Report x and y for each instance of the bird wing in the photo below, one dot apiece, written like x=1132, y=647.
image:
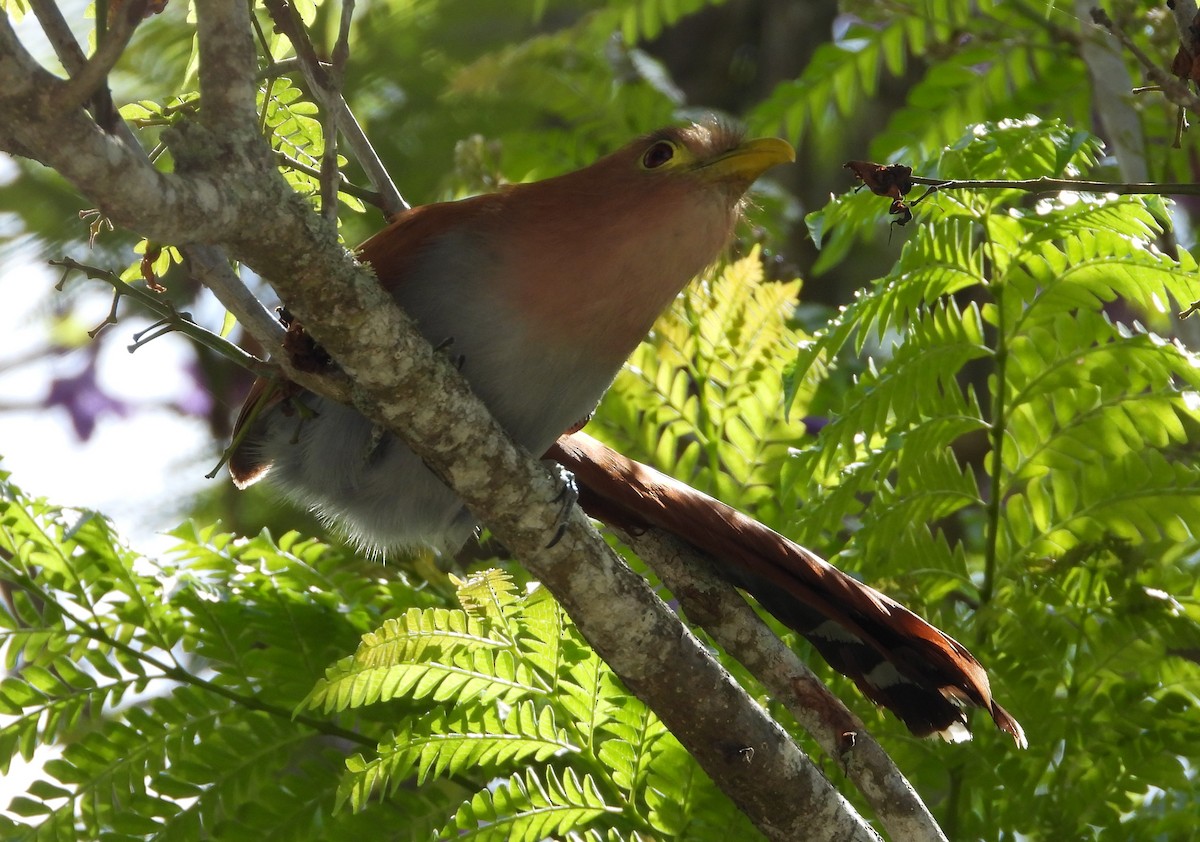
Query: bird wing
x=246, y=464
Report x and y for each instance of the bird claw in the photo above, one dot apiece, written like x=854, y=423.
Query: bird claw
x=444, y=347
x=567, y=497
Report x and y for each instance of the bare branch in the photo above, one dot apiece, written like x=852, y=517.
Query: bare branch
x=336, y=73
x=61, y=38
x=288, y=21
x=73, y=60
x=1173, y=89
x=1054, y=185
x=210, y=266
x=344, y=186
x=88, y=80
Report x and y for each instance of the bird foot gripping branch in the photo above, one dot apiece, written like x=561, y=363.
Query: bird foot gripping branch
x=547, y=288
x=567, y=497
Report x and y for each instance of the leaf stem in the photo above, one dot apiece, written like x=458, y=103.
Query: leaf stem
x=344, y=186
x=177, y=321
x=177, y=673
x=999, y=426
x=1049, y=185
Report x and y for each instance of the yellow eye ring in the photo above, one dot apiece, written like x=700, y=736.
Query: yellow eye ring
x=659, y=153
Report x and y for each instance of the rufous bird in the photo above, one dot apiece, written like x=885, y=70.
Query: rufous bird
x=542, y=291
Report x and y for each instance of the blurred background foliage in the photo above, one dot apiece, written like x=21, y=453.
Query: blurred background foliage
x=998, y=428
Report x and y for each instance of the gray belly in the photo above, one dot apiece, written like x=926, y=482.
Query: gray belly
x=377, y=491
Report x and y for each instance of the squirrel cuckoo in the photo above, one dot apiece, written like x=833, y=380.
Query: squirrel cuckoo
x=543, y=290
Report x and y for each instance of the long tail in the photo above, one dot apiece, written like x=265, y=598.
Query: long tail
x=897, y=659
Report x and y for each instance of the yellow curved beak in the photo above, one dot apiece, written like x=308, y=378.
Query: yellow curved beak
x=749, y=160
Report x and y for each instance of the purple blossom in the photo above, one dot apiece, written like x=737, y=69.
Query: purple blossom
x=813, y=424
x=197, y=401
x=83, y=399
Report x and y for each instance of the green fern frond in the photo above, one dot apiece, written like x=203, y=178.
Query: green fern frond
x=1070, y=214
x=644, y=20
x=931, y=267
x=546, y=637
x=971, y=86
x=842, y=75
x=589, y=694
x=468, y=741
x=1019, y=148
x=46, y=705
x=295, y=129
x=130, y=775
x=908, y=388
x=409, y=638
x=700, y=398
x=1080, y=390
x=530, y=807
x=636, y=733
x=1094, y=426
x=488, y=594
x=1086, y=272
x=469, y=674
x=1143, y=497
x=930, y=489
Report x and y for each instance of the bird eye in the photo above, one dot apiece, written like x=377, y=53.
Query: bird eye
x=657, y=155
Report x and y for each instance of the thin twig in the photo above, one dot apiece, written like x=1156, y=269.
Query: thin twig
x=1051, y=185
x=1174, y=89
x=344, y=186
x=93, y=76
x=73, y=60
x=341, y=47
x=287, y=19
x=210, y=266
x=158, y=305
x=330, y=174
x=281, y=68
x=59, y=34
x=71, y=56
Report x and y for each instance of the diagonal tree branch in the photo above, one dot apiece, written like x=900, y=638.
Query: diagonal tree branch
x=227, y=191
x=73, y=59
